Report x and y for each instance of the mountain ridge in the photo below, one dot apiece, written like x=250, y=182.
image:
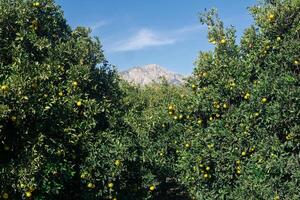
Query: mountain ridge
x=151, y=73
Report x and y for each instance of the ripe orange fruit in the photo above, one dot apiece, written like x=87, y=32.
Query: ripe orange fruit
x=247, y=96
x=78, y=103
x=117, y=162
x=152, y=188
x=13, y=118
x=91, y=185
x=82, y=176
x=264, y=100
x=5, y=196
x=75, y=83
x=28, y=194
x=289, y=136
x=276, y=197
x=232, y=83
x=4, y=88
x=271, y=17
x=110, y=185
x=36, y=4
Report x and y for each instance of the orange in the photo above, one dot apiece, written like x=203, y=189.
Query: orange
x=152, y=187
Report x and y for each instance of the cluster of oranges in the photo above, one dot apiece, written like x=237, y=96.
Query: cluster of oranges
x=231, y=84
x=91, y=185
x=34, y=24
x=205, y=170
x=218, y=105
x=171, y=109
x=243, y=155
x=75, y=85
x=271, y=17
x=27, y=194
x=36, y=4
x=238, y=167
x=221, y=41
x=289, y=136
x=247, y=96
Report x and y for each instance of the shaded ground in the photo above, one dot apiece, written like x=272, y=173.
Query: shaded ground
x=171, y=190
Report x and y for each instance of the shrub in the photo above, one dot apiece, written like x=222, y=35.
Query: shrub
x=235, y=134
x=60, y=106
x=246, y=97
x=155, y=138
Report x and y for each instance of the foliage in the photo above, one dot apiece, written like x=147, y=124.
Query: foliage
x=70, y=129
x=60, y=106
x=156, y=140
x=235, y=135
x=247, y=99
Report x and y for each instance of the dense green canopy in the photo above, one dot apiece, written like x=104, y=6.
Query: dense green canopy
x=71, y=129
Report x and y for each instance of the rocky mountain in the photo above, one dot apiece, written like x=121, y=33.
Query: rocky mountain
x=147, y=74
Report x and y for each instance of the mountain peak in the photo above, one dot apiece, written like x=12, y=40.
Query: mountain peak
x=151, y=73
x=152, y=67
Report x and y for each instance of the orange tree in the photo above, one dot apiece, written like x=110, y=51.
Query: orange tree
x=60, y=108
x=234, y=132
x=242, y=135
x=155, y=139
x=68, y=131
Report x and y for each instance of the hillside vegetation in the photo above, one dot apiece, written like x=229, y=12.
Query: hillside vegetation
x=70, y=128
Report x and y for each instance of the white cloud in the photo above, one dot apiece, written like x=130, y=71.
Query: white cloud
x=142, y=39
x=98, y=25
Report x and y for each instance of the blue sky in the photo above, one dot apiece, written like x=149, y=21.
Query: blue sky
x=164, y=32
